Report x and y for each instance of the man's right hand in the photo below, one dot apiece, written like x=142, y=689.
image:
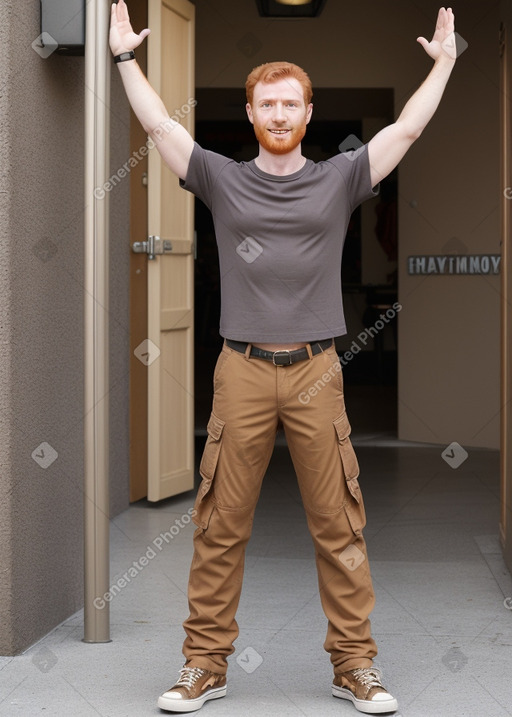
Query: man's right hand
x=122, y=37
x=173, y=142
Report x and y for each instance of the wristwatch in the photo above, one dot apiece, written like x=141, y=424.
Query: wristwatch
x=124, y=56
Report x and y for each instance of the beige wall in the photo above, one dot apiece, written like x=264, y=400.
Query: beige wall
x=448, y=184
x=41, y=329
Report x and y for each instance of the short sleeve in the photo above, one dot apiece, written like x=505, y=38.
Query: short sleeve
x=355, y=169
x=203, y=171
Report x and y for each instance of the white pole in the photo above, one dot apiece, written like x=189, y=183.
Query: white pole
x=96, y=430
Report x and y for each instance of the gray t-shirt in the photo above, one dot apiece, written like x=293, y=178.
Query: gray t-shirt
x=280, y=242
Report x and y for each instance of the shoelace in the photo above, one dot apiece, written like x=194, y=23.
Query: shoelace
x=368, y=676
x=189, y=676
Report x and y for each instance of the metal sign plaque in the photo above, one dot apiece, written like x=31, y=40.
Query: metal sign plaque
x=466, y=264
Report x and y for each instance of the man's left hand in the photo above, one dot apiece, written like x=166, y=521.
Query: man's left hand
x=443, y=42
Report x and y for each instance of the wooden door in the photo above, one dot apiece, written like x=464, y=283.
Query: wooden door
x=167, y=352
x=138, y=286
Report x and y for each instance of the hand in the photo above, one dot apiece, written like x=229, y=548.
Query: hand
x=122, y=37
x=443, y=41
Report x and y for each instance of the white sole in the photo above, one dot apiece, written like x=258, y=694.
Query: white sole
x=371, y=708
x=171, y=705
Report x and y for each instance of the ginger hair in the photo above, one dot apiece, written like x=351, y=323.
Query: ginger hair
x=275, y=71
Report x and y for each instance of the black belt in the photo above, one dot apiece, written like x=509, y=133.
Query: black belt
x=282, y=357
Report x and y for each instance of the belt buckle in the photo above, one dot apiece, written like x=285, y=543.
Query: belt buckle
x=282, y=351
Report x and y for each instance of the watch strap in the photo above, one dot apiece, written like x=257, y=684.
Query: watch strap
x=124, y=56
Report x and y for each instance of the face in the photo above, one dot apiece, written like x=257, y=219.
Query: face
x=279, y=115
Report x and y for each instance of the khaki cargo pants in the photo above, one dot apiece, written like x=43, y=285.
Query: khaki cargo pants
x=250, y=397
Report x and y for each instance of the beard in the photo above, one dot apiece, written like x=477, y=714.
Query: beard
x=279, y=144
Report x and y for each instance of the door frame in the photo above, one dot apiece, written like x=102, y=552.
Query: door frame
x=506, y=280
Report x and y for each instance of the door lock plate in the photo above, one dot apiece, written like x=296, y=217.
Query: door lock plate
x=153, y=246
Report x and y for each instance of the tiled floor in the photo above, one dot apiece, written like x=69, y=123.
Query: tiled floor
x=443, y=630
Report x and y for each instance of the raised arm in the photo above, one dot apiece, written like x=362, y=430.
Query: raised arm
x=172, y=140
x=389, y=145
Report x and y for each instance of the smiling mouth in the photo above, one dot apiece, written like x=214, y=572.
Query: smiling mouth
x=279, y=131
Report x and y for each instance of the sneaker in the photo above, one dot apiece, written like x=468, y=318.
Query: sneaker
x=191, y=691
x=364, y=687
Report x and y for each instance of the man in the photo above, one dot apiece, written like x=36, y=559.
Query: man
x=280, y=223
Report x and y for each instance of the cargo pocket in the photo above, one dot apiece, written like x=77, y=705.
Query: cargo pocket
x=203, y=506
x=354, y=506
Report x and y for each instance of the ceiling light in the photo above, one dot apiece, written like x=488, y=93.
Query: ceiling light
x=290, y=8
